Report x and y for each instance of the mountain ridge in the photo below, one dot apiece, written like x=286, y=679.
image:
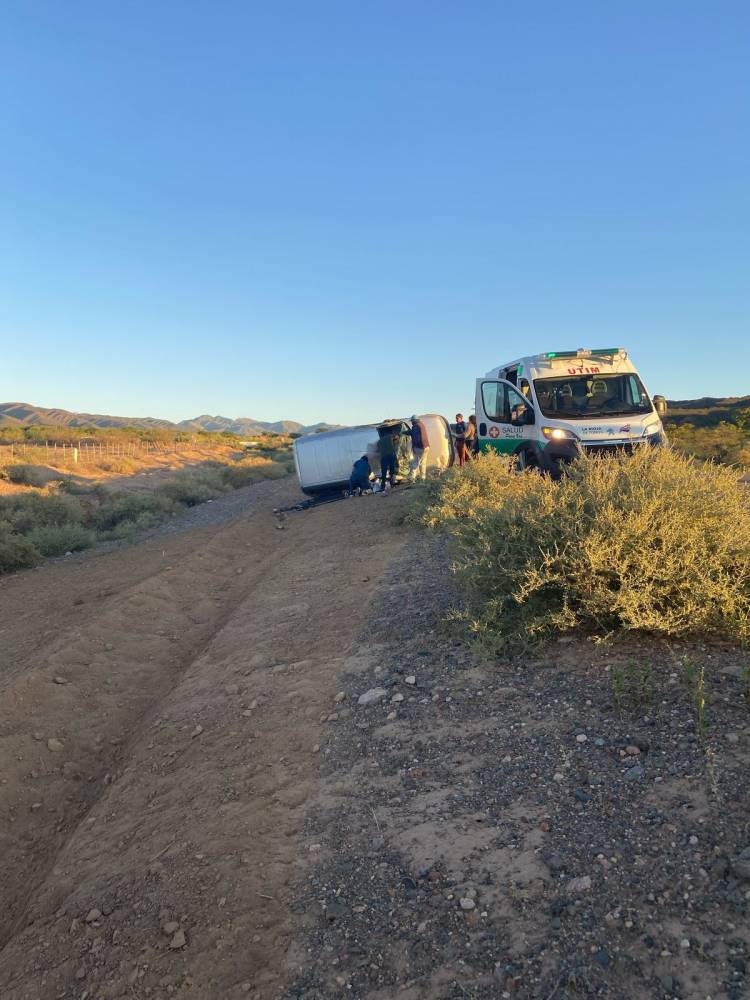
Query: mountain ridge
x=707, y=411
x=28, y=415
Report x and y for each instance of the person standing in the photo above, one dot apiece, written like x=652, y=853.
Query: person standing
x=461, y=439
x=387, y=448
x=420, y=446
x=472, y=438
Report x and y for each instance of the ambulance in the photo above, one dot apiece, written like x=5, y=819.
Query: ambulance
x=550, y=408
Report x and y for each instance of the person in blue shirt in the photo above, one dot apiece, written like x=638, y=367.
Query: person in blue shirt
x=360, y=477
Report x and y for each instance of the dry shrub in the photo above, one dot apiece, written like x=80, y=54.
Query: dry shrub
x=656, y=542
x=117, y=465
x=32, y=475
x=252, y=471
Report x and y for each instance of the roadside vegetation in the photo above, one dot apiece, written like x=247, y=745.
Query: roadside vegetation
x=719, y=435
x=727, y=443
x=39, y=433
x=66, y=515
x=658, y=543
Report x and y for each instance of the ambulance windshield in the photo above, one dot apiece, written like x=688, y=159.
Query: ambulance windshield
x=581, y=397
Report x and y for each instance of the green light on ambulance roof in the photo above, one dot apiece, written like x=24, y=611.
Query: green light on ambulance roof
x=582, y=353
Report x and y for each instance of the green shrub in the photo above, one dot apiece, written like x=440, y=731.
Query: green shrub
x=129, y=530
x=192, y=487
x=26, y=511
x=132, y=508
x=57, y=539
x=655, y=542
x=16, y=552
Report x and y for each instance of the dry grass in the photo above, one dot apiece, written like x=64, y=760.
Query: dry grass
x=38, y=467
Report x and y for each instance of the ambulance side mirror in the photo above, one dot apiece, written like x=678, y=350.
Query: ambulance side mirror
x=660, y=405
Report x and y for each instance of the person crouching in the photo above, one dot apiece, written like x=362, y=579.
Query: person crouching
x=359, y=481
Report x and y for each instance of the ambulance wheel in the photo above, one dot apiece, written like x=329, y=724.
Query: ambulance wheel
x=526, y=460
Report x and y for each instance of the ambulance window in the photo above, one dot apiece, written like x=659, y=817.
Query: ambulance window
x=634, y=393
x=493, y=400
x=498, y=400
x=511, y=375
x=515, y=402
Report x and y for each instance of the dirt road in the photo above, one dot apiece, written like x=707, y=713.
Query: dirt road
x=195, y=805
x=160, y=708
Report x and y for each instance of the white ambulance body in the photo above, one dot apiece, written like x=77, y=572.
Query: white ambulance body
x=547, y=409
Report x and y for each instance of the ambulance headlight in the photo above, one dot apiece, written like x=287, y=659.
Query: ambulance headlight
x=558, y=434
x=653, y=434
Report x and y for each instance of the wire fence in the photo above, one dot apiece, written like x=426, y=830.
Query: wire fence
x=55, y=452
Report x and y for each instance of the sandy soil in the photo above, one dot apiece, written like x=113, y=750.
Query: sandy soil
x=159, y=714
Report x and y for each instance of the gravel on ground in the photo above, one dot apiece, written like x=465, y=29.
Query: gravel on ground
x=556, y=824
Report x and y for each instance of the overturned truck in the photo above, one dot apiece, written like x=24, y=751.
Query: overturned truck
x=324, y=461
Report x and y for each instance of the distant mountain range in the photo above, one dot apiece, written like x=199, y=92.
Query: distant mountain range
x=704, y=412
x=26, y=415
x=707, y=411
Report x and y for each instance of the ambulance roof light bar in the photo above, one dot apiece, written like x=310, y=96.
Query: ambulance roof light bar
x=586, y=352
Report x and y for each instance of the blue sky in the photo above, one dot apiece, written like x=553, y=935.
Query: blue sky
x=342, y=211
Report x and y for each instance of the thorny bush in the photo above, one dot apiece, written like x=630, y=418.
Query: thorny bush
x=654, y=542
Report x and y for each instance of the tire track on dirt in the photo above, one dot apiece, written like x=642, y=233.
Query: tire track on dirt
x=41, y=606
x=115, y=665
x=195, y=816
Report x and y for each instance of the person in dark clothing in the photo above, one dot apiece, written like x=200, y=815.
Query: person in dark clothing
x=388, y=449
x=461, y=438
x=360, y=477
x=420, y=446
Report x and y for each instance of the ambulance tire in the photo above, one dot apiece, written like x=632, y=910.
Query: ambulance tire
x=526, y=459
